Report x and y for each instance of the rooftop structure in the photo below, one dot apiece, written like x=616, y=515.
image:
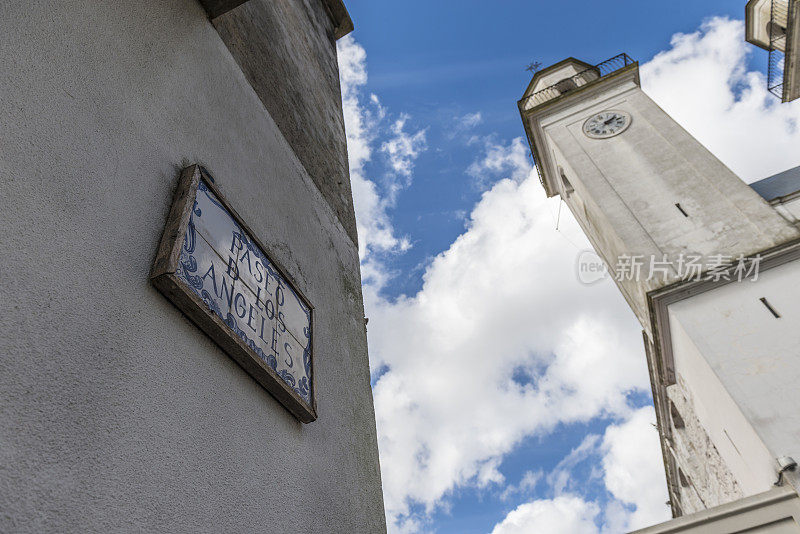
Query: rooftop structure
x=774, y=25
x=782, y=191
x=721, y=348
x=785, y=184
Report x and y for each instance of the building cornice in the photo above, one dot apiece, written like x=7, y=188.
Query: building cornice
x=337, y=12
x=791, y=67
x=750, y=30
x=342, y=23
x=762, y=509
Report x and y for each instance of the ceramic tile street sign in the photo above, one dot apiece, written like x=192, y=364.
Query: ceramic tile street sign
x=211, y=266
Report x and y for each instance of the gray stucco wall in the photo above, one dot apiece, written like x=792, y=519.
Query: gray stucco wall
x=294, y=72
x=116, y=412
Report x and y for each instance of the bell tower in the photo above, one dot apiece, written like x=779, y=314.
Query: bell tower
x=656, y=204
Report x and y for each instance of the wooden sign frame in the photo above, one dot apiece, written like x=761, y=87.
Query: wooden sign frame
x=165, y=276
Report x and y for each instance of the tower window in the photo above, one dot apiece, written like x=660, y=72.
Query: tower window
x=775, y=30
x=677, y=420
x=683, y=478
x=770, y=308
x=568, y=189
x=565, y=86
x=683, y=211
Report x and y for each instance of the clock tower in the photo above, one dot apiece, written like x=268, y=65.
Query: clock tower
x=677, y=230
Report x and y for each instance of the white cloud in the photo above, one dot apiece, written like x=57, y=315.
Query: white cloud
x=630, y=451
x=627, y=454
x=470, y=120
x=403, y=148
x=528, y=483
x=566, y=514
x=353, y=75
x=512, y=160
x=703, y=83
x=561, y=478
x=362, y=120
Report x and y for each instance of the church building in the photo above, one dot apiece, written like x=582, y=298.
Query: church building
x=710, y=266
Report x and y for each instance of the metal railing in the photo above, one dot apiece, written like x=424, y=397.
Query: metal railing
x=778, y=20
x=578, y=80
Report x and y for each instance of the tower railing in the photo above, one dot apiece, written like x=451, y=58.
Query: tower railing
x=778, y=22
x=600, y=70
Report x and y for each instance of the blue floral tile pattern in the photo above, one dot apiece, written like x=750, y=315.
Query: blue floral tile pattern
x=232, y=275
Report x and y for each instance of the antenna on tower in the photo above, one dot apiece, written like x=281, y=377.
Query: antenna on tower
x=533, y=66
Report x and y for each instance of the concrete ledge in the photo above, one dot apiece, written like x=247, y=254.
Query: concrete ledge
x=755, y=31
x=342, y=23
x=287, y=52
x=773, y=512
x=215, y=8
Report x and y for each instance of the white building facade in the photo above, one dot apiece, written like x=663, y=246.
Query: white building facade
x=708, y=264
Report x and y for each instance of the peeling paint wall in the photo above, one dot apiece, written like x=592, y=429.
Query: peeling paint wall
x=705, y=479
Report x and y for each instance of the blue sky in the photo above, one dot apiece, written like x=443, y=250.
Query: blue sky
x=509, y=397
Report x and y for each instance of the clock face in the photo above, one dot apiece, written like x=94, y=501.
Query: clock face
x=606, y=124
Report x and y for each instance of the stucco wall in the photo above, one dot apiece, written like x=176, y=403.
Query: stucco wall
x=118, y=413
